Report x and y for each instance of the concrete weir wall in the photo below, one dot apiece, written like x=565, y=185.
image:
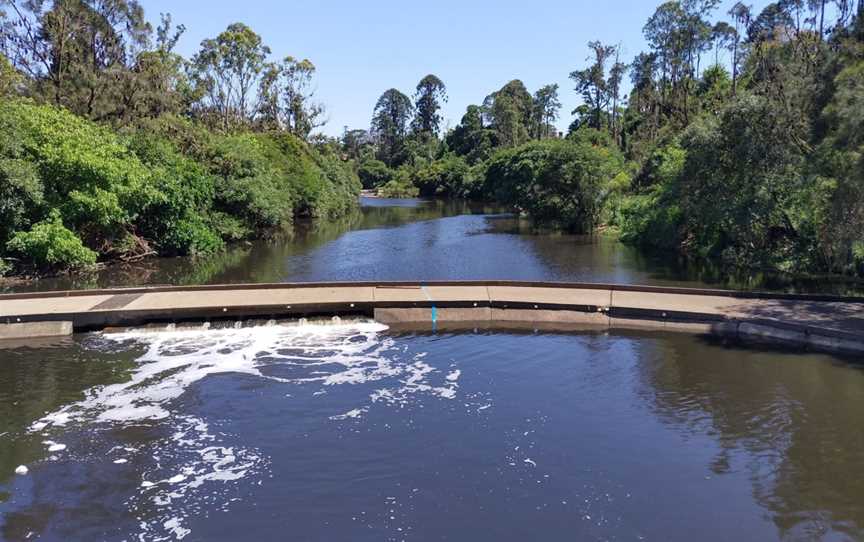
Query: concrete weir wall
x=826, y=323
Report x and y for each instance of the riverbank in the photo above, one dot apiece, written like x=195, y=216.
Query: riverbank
x=83, y=193
x=414, y=239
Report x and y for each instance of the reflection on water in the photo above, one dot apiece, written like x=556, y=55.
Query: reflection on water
x=793, y=425
x=432, y=240
x=353, y=432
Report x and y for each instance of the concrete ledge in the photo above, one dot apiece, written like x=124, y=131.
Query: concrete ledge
x=541, y=316
x=28, y=330
x=813, y=322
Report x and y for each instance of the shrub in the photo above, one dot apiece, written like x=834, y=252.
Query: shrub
x=400, y=186
x=374, y=173
x=557, y=182
x=50, y=246
x=450, y=176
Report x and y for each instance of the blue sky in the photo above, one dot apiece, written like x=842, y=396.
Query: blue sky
x=362, y=48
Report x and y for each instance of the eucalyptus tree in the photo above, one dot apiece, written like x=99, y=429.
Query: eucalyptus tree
x=591, y=83
x=390, y=120
x=723, y=37
x=286, y=97
x=428, y=97
x=741, y=15
x=546, y=108
x=227, y=70
x=510, y=111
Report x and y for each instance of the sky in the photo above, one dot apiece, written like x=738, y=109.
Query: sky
x=363, y=47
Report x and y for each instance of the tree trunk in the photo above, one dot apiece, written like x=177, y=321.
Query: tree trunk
x=735, y=68
x=821, y=19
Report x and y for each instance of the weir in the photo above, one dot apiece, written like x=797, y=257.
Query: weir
x=824, y=323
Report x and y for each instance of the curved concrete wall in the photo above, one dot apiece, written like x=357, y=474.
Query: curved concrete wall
x=820, y=322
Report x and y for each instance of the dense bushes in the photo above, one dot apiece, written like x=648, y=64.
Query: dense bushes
x=166, y=186
x=400, y=185
x=50, y=245
x=558, y=182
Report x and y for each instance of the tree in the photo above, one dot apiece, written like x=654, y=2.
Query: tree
x=10, y=79
x=591, y=82
x=430, y=92
x=75, y=50
x=156, y=83
x=355, y=143
x=616, y=76
x=546, y=107
x=740, y=13
x=286, y=98
x=471, y=138
x=510, y=110
x=723, y=36
x=390, y=125
x=227, y=69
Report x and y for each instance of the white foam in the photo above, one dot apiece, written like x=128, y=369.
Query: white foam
x=54, y=446
x=173, y=525
x=353, y=413
x=22, y=470
x=329, y=355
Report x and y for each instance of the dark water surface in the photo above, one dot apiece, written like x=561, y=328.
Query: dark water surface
x=361, y=433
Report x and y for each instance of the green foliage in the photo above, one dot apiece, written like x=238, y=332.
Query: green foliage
x=430, y=92
x=374, y=173
x=471, y=139
x=511, y=110
x=166, y=186
x=10, y=80
x=653, y=218
x=226, y=71
x=87, y=172
x=390, y=126
x=451, y=176
x=50, y=246
x=744, y=193
x=400, y=186
x=562, y=183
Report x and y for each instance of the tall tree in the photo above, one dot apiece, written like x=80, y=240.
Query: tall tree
x=156, y=83
x=591, y=82
x=471, y=138
x=390, y=125
x=510, y=111
x=546, y=107
x=73, y=50
x=616, y=76
x=428, y=96
x=723, y=37
x=740, y=14
x=286, y=98
x=227, y=69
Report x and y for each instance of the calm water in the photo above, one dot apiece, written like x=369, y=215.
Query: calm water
x=362, y=433
x=431, y=240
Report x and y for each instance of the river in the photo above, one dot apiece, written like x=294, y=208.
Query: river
x=353, y=431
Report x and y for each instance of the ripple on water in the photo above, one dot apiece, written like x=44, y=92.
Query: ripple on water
x=190, y=472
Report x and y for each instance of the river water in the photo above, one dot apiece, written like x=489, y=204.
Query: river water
x=353, y=431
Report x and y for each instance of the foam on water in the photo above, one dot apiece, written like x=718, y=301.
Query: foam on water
x=191, y=471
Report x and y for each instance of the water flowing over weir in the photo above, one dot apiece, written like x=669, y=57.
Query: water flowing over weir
x=192, y=468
